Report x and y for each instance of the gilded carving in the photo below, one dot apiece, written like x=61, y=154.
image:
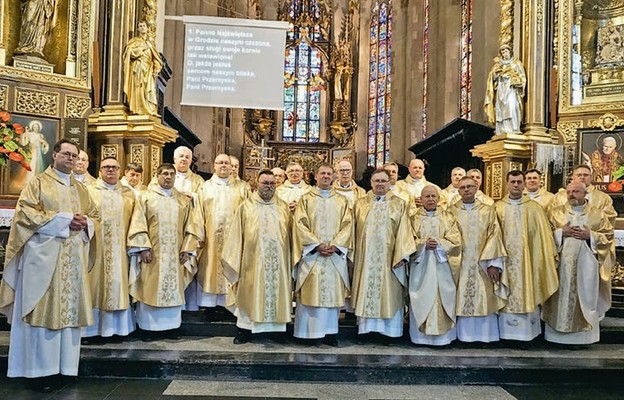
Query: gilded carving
x=308, y=159
x=555, y=43
x=507, y=17
x=607, y=122
x=617, y=275
x=75, y=106
x=30, y=101
x=4, y=97
x=150, y=11
x=155, y=160
x=568, y=130
x=109, y=150
x=497, y=180
x=515, y=166
x=539, y=13
x=136, y=153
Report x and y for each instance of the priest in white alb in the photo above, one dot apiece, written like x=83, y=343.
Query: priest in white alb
x=383, y=245
x=44, y=291
x=256, y=261
x=162, y=250
x=322, y=240
x=108, y=278
x=295, y=187
x=345, y=185
x=583, y=238
x=434, y=272
x=187, y=182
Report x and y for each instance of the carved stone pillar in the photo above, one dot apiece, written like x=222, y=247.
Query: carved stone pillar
x=534, y=57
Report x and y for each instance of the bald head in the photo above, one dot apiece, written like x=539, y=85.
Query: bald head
x=416, y=168
x=430, y=197
x=222, y=166
x=576, y=192
x=608, y=145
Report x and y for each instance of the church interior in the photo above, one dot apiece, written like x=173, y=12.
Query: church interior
x=371, y=81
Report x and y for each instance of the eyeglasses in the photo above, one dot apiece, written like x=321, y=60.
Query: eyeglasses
x=110, y=167
x=68, y=154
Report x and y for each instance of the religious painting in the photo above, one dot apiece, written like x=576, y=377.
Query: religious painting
x=75, y=129
x=343, y=154
x=40, y=136
x=602, y=151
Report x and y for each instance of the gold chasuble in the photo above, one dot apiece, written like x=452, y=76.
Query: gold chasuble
x=584, y=266
x=56, y=292
x=188, y=182
x=108, y=278
x=477, y=295
x=218, y=200
x=433, y=281
x=256, y=259
x=596, y=198
x=289, y=192
x=321, y=281
x=352, y=193
x=410, y=188
x=542, y=196
x=383, y=238
x=159, y=223
x=530, y=270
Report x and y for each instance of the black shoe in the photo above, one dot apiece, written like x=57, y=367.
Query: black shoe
x=279, y=338
x=242, y=336
x=331, y=340
x=173, y=334
x=46, y=384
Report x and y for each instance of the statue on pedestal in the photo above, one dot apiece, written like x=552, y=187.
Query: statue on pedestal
x=142, y=63
x=38, y=19
x=504, y=96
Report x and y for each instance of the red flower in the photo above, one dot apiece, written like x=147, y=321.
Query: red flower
x=25, y=165
x=6, y=138
x=16, y=157
x=5, y=116
x=3, y=150
x=19, y=129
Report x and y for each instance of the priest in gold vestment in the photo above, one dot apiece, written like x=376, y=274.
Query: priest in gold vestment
x=108, y=278
x=409, y=188
x=256, y=261
x=187, y=182
x=450, y=195
x=162, y=250
x=481, y=292
x=530, y=270
x=434, y=272
x=534, y=190
x=44, y=291
x=295, y=187
x=583, y=238
x=383, y=245
x=218, y=199
x=322, y=239
x=477, y=176
x=80, y=170
x=345, y=185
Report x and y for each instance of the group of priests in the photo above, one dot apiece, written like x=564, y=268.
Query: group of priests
x=96, y=258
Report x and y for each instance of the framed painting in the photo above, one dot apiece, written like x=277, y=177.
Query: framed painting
x=41, y=134
x=602, y=151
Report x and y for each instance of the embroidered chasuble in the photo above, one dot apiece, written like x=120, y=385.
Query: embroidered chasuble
x=530, y=270
x=434, y=273
x=289, y=192
x=542, y=196
x=257, y=260
x=477, y=295
x=87, y=179
x=484, y=198
x=217, y=202
x=383, y=238
x=580, y=301
x=449, y=196
x=108, y=278
x=188, y=182
x=352, y=193
x=321, y=281
x=159, y=223
x=54, y=268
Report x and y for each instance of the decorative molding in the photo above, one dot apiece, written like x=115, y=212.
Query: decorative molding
x=507, y=20
x=109, y=150
x=539, y=14
x=497, y=180
x=568, y=130
x=515, y=166
x=155, y=159
x=31, y=101
x=555, y=43
x=75, y=106
x=4, y=97
x=137, y=152
x=608, y=122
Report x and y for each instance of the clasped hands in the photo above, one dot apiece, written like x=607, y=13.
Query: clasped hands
x=576, y=232
x=326, y=250
x=147, y=256
x=78, y=223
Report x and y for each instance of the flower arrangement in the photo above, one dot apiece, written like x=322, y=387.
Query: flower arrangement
x=11, y=148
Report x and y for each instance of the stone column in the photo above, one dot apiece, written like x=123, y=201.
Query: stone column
x=534, y=50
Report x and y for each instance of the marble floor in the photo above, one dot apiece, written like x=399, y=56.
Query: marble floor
x=148, y=389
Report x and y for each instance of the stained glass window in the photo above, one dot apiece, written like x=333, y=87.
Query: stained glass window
x=379, y=84
x=466, y=60
x=303, y=81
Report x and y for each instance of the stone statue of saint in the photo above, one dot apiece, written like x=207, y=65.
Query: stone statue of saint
x=504, y=96
x=38, y=19
x=610, y=45
x=141, y=65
